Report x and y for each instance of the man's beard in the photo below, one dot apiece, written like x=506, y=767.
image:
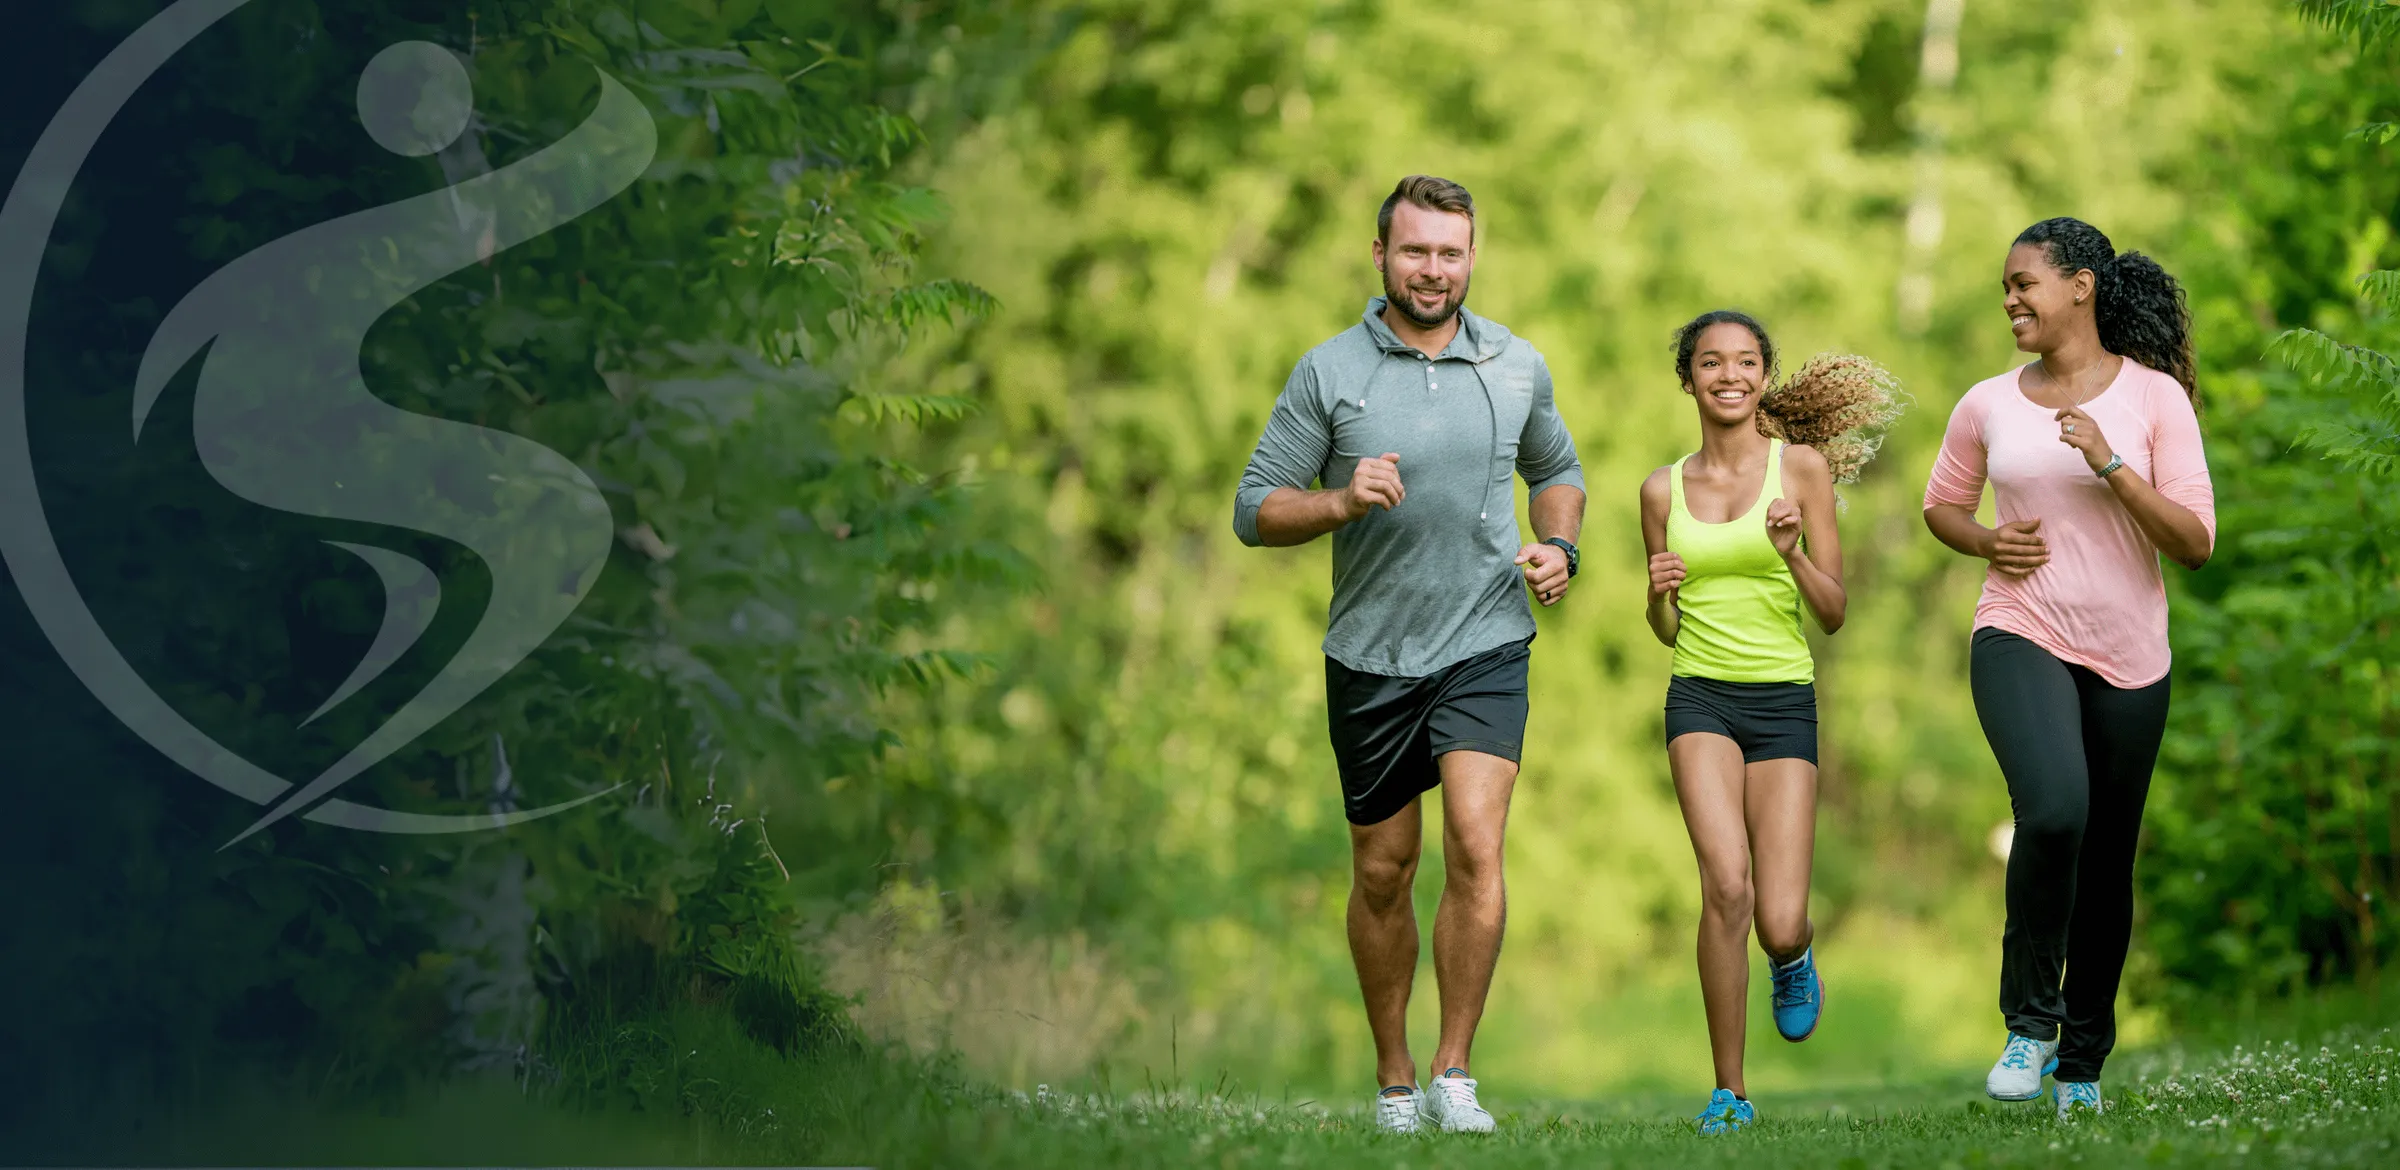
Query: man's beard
x=1398, y=298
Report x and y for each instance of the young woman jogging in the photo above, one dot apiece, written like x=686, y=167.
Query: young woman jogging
x=1741, y=535
x=2094, y=455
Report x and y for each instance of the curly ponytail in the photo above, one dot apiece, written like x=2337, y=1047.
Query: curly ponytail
x=1840, y=404
x=2138, y=306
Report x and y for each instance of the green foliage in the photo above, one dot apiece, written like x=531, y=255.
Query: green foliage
x=710, y=347
x=2272, y=852
x=831, y=511
x=693, y=1091
x=2361, y=385
x=1183, y=204
x=2376, y=133
x=2371, y=22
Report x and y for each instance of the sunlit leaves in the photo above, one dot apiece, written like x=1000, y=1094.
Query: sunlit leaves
x=2333, y=366
x=2371, y=22
x=2271, y=857
x=2382, y=289
x=934, y=302
x=912, y=408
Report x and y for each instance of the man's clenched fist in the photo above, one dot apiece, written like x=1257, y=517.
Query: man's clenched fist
x=1545, y=571
x=1376, y=483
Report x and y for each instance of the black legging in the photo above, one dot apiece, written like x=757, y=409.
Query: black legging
x=2077, y=753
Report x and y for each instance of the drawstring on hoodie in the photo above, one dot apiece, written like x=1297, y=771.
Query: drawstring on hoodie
x=1491, y=408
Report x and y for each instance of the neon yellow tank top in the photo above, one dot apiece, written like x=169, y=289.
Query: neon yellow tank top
x=1740, y=608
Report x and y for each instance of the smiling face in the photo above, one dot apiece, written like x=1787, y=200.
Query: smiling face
x=1729, y=373
x=1426, y=262
x=2045, y=306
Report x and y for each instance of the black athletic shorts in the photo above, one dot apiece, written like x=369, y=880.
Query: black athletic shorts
x=1388, y=732
x=1769, y=721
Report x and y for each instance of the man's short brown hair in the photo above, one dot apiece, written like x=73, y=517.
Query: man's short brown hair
x=1430, y=193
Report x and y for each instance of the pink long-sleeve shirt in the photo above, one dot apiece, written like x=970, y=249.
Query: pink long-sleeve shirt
x=2101, y=600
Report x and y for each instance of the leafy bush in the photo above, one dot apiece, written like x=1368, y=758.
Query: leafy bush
x=708, y=347
x=2272, y=841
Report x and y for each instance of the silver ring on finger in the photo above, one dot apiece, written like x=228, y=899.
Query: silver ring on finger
x=2070, y=428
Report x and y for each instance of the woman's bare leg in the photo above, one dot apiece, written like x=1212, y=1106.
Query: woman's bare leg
x=1709, y=784
x=1780, y=802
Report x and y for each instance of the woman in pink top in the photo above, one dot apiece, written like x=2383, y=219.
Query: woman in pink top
x=2094, y=455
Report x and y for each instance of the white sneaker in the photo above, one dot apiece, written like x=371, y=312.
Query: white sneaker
x=1450, y=1103
x=1400, y=1112
x=2022, y=1065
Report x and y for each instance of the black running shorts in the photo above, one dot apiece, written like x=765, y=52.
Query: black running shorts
x=1389, y=732
x=1769, y=721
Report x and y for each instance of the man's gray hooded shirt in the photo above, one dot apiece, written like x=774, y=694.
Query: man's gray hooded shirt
x=1433, y=581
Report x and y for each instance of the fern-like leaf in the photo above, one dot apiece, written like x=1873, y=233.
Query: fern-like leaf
x=935, y=300
x=914, y=409
x=2369, y=22
x=2331, y=365
x=2371, y=449
x=2382, y=289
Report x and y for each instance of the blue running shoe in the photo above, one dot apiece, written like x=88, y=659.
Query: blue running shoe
x=2073, y=1095
x=1799, y=996
x=1725, y=1113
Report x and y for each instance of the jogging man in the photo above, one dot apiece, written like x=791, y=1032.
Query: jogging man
x=1412, y=421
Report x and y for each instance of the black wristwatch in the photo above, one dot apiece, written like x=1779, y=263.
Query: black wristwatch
x=1574, y=558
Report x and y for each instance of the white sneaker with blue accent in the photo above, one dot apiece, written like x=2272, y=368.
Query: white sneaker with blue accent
x=1450, y=1104
x=2074, y=1095
x=2022, y=1065
x=1400, y=1112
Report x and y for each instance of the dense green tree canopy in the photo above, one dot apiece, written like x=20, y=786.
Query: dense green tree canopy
x=917, y=372
x=1183, y=205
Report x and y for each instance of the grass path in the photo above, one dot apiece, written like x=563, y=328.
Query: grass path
x=2330, y=1104
x=2329, y=1100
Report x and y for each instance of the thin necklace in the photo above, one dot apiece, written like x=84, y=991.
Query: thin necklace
x=2072, y=401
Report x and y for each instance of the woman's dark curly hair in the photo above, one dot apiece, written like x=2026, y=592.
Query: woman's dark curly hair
x=1840, y=404
x=2139, y=307
x=1688, y=337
